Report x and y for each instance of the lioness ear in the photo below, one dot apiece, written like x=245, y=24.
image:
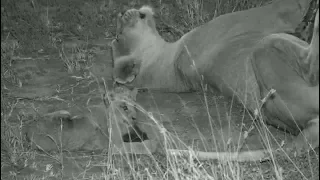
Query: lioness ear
x=149, y=13
x=147, y=10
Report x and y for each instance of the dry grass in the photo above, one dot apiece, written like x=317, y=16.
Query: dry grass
x=16, y=152
x=77, y=57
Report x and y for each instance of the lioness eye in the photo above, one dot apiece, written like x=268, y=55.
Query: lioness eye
x=142, y=15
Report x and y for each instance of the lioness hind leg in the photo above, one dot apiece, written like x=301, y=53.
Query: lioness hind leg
x=308, y=138
x=312, y=60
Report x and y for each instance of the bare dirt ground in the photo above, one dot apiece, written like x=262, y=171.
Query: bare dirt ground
x=52, y=53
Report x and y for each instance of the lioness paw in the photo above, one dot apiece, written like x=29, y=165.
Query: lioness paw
x=125, y=69
x=307, y=140
x=130, y=16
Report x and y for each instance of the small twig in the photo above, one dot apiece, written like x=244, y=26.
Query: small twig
x=105, y=93
x=257, y=155
x=28, y=58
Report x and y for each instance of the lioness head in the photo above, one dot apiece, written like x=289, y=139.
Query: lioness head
x=136, y=33
x=134, y=26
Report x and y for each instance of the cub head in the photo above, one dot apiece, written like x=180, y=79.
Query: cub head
x=121, y=105
x=123, y=114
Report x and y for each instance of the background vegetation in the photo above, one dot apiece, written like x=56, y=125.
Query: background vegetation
x=30, y=28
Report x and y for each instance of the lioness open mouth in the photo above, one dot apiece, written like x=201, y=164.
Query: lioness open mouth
x=135, y=135
x=129, y=80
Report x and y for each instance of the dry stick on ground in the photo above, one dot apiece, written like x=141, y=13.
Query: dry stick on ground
x=256, y=155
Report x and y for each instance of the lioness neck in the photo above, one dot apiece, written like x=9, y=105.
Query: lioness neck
x=158, y=70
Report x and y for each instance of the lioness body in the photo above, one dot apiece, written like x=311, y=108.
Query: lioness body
x=222, y=54
x=212, y=42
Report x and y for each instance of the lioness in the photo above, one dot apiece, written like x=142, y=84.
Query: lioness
x=242, y=53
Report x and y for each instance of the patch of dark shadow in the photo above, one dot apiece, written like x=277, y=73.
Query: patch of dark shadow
x=135, y=135
x=272, y=96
